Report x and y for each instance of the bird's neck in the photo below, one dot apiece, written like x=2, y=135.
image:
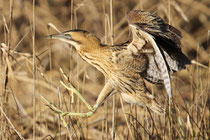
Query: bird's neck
x=94, y=50
x=96, y=56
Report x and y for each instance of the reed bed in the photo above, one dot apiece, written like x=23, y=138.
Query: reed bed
x=29, y=69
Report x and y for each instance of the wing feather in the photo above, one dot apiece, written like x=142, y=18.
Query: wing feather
x=166, y=36
x=143, y=30
x=147, y=28
x=138, y=36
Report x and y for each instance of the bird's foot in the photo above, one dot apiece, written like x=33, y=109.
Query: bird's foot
x=70, y=87
x=62, y=114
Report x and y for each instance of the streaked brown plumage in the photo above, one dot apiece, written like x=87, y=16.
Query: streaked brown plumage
x=153, y=52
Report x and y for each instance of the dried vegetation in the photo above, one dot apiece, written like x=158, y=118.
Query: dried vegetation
x=26, y=117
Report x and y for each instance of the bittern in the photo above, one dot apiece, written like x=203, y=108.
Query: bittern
x=153, y=52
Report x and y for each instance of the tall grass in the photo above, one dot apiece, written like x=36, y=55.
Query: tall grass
x=29, y=67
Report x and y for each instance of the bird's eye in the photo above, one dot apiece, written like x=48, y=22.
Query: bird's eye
x=68, y=36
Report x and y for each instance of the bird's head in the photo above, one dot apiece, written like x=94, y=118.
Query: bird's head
x=80, y=39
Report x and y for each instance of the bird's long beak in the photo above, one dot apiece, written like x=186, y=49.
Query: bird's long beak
x=58, y=36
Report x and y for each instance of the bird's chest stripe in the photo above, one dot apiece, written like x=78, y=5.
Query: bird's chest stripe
x=99, y=67
x=86, y=58
x=93, y=63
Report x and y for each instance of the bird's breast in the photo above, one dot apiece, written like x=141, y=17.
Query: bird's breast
x=128, y=70
x=99, y=61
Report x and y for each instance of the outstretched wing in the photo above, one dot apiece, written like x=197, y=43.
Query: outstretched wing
x=165, y=41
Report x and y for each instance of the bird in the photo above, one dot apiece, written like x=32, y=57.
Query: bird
x=152, y=53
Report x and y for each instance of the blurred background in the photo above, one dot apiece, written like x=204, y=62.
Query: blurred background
x=19, y=117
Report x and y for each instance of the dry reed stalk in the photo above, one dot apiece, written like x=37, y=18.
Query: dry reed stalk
x=191, y=87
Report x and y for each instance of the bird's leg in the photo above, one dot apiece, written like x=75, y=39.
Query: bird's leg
x=106, y=91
